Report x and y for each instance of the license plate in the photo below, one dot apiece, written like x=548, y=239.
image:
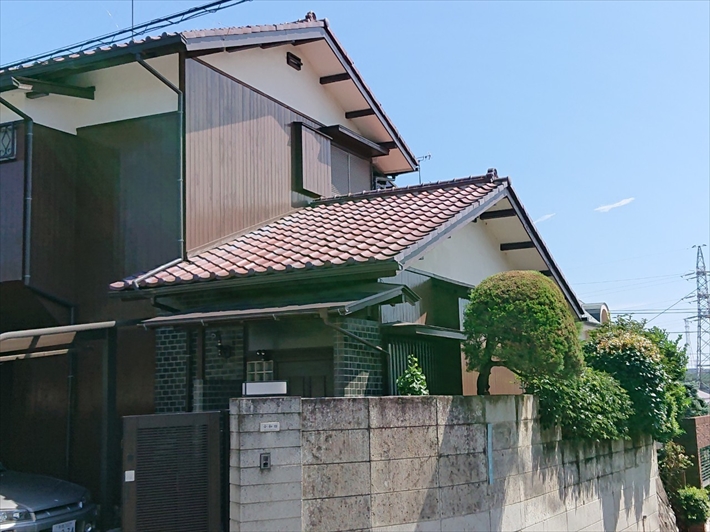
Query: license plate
x=69, y=526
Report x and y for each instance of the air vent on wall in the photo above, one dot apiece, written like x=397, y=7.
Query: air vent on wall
x=293, y=61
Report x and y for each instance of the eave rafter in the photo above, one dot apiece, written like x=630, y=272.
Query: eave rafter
x=36, y=88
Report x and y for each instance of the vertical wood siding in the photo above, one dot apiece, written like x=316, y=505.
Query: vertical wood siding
x=238, y=151
x=54, y=169
x=12, y=185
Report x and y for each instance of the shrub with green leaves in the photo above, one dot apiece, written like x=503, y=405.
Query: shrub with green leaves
x=693, y=505
x=636, y=362
x=413, y=380
x=672, y=464
x=592, y=405
x=520, y=320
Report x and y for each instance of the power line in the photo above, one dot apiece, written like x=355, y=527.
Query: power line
x=132, y=32
x=632, y=279
x=673, y=305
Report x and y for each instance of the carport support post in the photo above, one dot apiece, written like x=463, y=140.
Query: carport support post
x=108, y=428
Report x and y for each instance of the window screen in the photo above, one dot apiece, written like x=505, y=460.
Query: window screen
x=349, y=173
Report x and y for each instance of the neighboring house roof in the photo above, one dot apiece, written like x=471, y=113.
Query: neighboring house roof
x=302, y=32
x=393, y=226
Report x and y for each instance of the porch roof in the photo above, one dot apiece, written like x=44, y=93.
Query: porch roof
x=370, y=227
x=378, y=294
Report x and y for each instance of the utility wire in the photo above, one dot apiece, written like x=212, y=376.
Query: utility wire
x=632, y=279
x=673, y=305
x=128, y=33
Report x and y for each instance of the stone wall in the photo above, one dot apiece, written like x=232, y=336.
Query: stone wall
x=431, y=464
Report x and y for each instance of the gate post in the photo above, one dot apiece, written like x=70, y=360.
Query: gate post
x=265, y=474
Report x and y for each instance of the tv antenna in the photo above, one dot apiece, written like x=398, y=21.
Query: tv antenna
x=419, y=166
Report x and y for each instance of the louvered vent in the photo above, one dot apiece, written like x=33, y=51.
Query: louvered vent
x=172, y=482
x=177, y=478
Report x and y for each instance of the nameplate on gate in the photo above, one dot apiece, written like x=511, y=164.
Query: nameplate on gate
x=270, y=426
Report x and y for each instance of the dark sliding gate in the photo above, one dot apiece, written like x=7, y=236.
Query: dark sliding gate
x=172, y=476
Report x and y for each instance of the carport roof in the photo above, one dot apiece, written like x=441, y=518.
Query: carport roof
x=36, y=343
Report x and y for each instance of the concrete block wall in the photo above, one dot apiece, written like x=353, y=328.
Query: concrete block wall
x=433, y=463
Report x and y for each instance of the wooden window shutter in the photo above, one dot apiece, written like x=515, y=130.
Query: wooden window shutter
x=311, y=161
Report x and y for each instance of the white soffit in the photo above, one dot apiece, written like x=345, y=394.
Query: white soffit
x=510, y=229
x=325, y=61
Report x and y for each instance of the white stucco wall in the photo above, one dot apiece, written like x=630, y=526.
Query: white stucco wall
x=267, y=71
x=122, y=92
x=469, y=255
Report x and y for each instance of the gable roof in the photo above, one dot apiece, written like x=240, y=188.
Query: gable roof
x=315, y=36
x=394, y=226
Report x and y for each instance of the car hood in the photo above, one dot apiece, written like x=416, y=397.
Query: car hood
x=36, y=492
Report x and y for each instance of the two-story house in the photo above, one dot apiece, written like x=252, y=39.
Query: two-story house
x=221, y=206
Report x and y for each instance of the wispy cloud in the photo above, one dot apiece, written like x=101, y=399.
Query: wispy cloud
x=544, y=218
x=607, y=208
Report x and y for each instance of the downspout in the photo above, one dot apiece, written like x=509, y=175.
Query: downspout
x=181, y=132
x=385, y=354
x=27, y=223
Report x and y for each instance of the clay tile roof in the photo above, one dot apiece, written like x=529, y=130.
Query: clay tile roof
x=345, y=231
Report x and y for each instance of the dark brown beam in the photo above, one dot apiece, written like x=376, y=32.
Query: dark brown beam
x=546, y=273
x=391, y=145
x=37, y=86
x=325, y=80
x=510, y=246
x=503, y=213
x=359, y=113
x=268, y=45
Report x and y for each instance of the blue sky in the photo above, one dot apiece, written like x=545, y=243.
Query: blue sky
x=598, y=111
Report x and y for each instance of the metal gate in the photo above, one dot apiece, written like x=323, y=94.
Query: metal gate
x=171, y=472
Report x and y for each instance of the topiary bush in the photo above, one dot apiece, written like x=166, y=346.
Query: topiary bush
x=592, y=405
x=413, y=380
x=520, y=320
x=693, y=505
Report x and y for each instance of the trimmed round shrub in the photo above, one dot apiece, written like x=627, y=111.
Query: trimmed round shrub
x=520, y=320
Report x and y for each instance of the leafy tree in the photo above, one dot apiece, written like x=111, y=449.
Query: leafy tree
x=520, y=320
x=650, y=367
x=696, y=407
x=413, y=380
x=592, y=405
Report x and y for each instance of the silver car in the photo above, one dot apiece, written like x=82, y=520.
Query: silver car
x=36, y=503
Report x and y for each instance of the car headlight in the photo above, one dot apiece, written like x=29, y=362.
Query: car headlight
x=14, y=515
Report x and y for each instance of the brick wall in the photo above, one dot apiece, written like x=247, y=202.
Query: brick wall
x=357, y=367
x=170, y=369
x=695, y=438
x=223, y=376
x=437, y=463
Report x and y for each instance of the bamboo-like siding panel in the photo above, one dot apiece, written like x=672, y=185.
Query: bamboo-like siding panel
x=238, y=155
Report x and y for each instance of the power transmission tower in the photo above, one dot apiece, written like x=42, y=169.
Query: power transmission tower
x=692, y=360
x=703, y=318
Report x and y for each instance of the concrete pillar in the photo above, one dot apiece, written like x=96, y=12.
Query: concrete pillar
x=265, y=496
